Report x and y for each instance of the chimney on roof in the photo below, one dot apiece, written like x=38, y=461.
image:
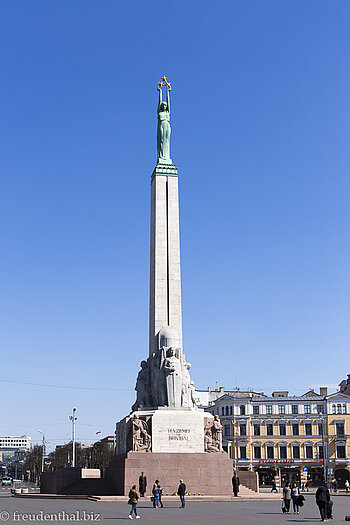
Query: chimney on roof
x=323, y=391
x=222, y=389
x=281, y=393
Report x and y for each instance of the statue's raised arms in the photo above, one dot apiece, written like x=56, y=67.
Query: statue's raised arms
x=163, y=130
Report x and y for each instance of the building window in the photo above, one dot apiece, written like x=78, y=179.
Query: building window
x=344, y=408
x=334, y=409
x=308, y=452
x=243, y=429
x=227, y=430
x=340, y=430
x=294, y=409
x=269, y=429
x=307, y=409
x=243, y=452
x=257, y=452
x=320, y=429
x=256, y=428
x=320, y=409
x=242, y=410
x=269, y=409
x=256, y=410
x=226, y=411
x=230, y=410
x=341, y=452
x=281, y=409
x=320, y=452
x=295, y=429
x=223, y=411
x=296, y=451
x=283, y=452
x=282, y=429
x=308, y=429
x=269, y=452
x=338, y=408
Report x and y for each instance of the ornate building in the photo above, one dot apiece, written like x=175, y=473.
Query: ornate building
x=287, y=438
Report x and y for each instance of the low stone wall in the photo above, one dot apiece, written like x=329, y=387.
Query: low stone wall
x=54, y=482
x=249, y=479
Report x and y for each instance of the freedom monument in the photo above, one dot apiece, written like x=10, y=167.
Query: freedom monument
x=166, y=435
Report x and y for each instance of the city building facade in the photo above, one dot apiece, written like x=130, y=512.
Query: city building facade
x=287, y=438
x=11, y=445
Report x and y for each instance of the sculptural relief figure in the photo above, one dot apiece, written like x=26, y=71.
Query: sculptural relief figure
x=173, y=377
x=213, y=436
x=186, y=400
x=141, y=439
x=192, y=395
x=208, y=440
x=217, y=433
x=142, y=387
x=163, y=130
x=164, y=379
x=158, y=385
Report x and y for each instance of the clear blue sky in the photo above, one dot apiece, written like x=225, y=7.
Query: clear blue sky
x=260, y=121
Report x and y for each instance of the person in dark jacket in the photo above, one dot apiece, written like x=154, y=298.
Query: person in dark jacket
x=235, y=484
x=322, y=498
x=142, y=484
x=274, y=486
x=181, y=492
x=133, y=500
x=287, y=497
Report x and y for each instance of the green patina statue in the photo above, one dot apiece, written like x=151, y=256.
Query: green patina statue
x=163, y=131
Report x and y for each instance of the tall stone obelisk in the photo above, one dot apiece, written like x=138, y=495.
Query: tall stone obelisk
x=166, y=434
x=165, y=274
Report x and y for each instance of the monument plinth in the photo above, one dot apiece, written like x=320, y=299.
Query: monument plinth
x=166, y=436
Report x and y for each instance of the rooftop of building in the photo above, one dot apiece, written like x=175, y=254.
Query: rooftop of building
x=283, y=399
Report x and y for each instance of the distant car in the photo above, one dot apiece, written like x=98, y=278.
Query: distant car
x=6, y=481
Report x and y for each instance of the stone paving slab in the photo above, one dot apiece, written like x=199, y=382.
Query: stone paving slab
x=246, y=497
x=267, y=512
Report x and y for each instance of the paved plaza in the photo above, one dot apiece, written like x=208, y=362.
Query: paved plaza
x=195, y=513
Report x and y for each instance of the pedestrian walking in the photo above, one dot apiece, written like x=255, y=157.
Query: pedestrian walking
x=160, y=493
x=133, y=500
x=347, y=486
x=155, y=492
x=142, y=484
x=274, y=486
x=287, y=497
x=335, y=485
x=235, y=484
x=295, y=498
x=322, y=498
x=181, y=492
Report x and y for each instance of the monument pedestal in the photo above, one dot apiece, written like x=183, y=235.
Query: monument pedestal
x=205, y=473
x=168, y=444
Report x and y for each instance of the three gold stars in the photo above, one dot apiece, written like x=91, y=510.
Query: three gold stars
x=164, y=82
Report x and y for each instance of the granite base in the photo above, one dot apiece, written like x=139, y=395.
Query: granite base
x=207, y=473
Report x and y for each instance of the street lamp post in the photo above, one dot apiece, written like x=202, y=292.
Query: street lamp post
x=43, y=455
x=324, y=451
x=73, y=420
